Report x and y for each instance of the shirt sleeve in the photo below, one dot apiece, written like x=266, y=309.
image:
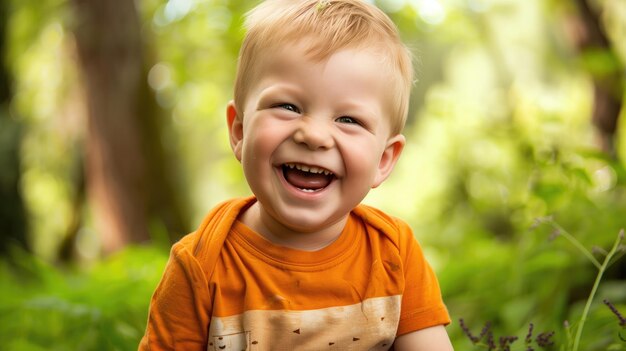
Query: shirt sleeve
x=422, y=304
x=180, y=309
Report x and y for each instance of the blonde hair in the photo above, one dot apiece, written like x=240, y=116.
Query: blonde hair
x=328, y=26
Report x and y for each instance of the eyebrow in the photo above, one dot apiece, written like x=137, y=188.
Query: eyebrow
x=277, y=88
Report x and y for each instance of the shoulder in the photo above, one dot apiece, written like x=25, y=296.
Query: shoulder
x=394, y=228
x=213, y=229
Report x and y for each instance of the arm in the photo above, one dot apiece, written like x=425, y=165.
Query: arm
x=424, y=314
x=429, y=339
x=180, y=307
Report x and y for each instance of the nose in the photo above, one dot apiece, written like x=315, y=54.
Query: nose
x=313, y=133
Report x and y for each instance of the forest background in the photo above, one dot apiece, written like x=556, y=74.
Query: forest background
x=113, y=144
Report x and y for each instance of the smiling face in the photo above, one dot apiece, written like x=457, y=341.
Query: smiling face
x=313, y=138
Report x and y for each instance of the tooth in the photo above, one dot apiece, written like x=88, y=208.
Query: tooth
x=305, y=168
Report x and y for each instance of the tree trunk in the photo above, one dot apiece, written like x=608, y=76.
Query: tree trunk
x=124, y=177
x=12, y=213
x=589, y=36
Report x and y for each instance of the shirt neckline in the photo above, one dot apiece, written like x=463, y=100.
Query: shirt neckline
x=294, y=259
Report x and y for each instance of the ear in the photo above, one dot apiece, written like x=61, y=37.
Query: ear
x=388, y=159
x=235, y=129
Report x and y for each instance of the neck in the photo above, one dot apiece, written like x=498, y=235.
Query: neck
x=272, y=230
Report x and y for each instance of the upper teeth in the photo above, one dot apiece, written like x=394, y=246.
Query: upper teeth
x=305, y=168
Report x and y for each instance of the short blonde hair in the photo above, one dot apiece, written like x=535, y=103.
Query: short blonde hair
x=329, y=26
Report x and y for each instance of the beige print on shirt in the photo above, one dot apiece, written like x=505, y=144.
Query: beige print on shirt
x=370, y=325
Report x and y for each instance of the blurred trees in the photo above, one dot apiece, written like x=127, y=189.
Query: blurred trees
x=128, y=175
x=12, y=215
x=588, y=33
x=93, y=130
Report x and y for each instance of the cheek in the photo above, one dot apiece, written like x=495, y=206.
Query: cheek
x=260, y=140
x=361, y=159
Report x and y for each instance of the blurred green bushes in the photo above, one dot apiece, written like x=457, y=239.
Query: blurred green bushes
x=101, y=306
x=523, y=273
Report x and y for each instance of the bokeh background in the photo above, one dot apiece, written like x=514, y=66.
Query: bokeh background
x=113, y=145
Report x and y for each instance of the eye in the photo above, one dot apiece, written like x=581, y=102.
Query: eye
x=288, y=107
x=347, y=120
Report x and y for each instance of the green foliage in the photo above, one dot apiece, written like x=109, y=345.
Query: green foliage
x=525, y=276
x=571, y=341
x=100, y=307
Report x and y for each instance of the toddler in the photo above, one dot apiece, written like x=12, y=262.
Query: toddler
x=320, y=100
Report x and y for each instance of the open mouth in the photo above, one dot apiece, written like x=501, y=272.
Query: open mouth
x=307, y=178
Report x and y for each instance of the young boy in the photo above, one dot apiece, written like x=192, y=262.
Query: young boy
x=320, y=100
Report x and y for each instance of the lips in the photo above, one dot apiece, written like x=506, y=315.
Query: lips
x=307, y=178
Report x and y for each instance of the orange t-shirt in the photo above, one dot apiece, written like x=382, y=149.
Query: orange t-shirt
x=227, y=288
